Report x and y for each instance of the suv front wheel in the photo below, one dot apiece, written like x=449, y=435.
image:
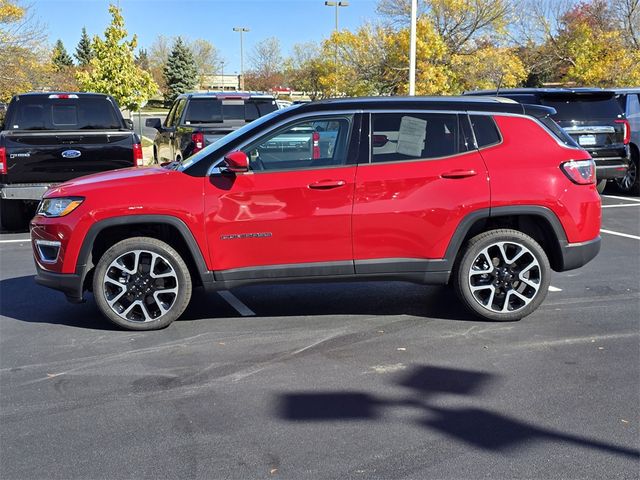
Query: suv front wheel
x=142, y=283
x=503, y=275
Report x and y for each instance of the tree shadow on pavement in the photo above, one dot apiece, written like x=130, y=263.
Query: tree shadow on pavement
x=477, y=427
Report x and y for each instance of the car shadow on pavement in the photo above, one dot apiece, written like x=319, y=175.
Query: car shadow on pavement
x=355, y=298
x=22, y=299
x=477, y=427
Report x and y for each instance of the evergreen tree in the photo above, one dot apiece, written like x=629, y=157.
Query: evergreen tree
x=84, y=52
x=60, y=58
x=142, y=59
x=180, y=71
x=113, y=70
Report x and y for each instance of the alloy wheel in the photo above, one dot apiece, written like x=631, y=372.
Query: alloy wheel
x=140, y=286
x=505, y=277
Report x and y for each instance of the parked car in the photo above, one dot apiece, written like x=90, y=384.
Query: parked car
x=629, y=99
x=196, y=120
x=487, y=195
x=591, y=116
x=49, y=138
x=283, y=103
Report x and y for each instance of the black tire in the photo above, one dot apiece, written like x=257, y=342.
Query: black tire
x=601, y=185
x=14, y=215
x=141, y=298
x=630, y=183
x=502, y=278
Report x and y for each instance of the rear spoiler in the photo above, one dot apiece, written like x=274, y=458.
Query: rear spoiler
x=538, y=111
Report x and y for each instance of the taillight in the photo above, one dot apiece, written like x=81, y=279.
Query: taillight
x=3, y=161
x=582, y=172
x=198, y=141
x=316, y=145
x=627, y=130
x=138, y=158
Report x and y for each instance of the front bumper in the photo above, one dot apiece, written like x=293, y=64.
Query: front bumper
x=575, y=255
x=24, y=191
x=68, y=283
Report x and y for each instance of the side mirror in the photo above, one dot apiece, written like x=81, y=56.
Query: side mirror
x=378, y=141
x=129, y=123
x=154, y=122
x=237, y=162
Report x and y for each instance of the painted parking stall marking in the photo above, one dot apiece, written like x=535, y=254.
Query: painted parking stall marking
x=619, y=234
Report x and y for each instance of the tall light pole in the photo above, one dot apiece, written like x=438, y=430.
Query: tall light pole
x=222, y=67
x=412, y=49
x=242, y=30
x=337, y=4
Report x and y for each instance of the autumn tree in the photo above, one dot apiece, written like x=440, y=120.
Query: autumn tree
x=266, y=66
x=206, y=57
x=180, y=71
x=308, y=70
x=113, y=70
x=24, y=60
x=84, y=52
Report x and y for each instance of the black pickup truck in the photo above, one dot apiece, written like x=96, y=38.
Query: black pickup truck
x=197, y=119
x=48, y=138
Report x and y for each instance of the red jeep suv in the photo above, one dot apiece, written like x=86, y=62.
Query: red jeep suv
x=482, y=193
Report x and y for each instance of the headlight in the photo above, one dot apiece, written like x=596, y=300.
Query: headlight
x=59, y=207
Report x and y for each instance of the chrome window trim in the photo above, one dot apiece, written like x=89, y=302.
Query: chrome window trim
x=215, y=165
x=529, y=117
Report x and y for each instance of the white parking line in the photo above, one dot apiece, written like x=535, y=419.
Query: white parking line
x=236, y=303
x=554, y=289
x=626, y=235
x=26, y=240
x=630, y=199
x=622, y=205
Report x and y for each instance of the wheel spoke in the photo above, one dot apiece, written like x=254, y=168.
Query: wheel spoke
x=487, y=258
x=117, y=297
x=154, y=258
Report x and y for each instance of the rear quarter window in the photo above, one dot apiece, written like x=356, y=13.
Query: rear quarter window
x=485, y=130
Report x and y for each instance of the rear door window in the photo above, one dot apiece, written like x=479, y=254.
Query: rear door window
x=399, y=137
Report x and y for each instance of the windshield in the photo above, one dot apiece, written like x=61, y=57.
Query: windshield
x=221, y=143
x=45, y=113
x=583, y=107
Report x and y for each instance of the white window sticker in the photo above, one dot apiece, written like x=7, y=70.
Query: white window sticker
x=411, y=137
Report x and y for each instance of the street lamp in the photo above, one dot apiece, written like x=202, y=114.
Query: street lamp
x=412, y=49
x=222, y=68
x=337, y=4
x=242, y=30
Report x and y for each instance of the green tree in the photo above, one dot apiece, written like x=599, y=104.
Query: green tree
x=113, y=70
x=142, y=59
x=180, y=71
x=60, y=59
x=84, y=52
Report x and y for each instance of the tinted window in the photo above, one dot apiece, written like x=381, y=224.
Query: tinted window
x=213, y=110
x=398, y=137
x=43, y=113
x=558, y=132
x=583, y=107
x=179, y=109
x=306, y=144
x=485, y=130
x=171, y=115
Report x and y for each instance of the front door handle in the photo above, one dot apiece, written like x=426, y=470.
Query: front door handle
x=459, y=174
x=327, y=184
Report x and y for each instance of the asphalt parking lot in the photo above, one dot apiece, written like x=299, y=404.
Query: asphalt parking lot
x=344, y=381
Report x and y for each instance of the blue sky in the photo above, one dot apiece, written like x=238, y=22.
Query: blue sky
x=291, y=21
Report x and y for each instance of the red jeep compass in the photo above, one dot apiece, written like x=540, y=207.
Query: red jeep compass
x=483, y=193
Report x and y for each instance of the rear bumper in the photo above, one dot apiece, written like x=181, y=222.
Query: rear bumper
x=23, y=191
x=575, y=255
x=611, y=168
x=69, y=284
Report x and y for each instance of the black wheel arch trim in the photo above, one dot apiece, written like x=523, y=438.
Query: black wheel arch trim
x=84, y=257
x=496, y=212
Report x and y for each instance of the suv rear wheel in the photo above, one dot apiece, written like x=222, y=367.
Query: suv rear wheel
x=503, y=275
x=142, y=283
x=630, y=183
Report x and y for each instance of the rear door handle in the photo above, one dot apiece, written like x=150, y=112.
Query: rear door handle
x=459, y=174
x=327, y=184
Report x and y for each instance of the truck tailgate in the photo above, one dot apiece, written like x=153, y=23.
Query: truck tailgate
x=51, y=157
